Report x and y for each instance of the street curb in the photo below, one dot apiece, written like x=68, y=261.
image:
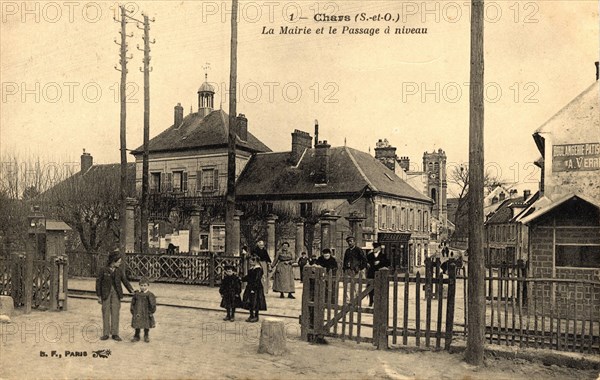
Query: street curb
x=546, y=357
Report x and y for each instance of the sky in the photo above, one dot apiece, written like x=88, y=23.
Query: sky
x=60, y=88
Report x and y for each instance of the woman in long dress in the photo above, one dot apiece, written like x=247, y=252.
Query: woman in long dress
x=283, y=276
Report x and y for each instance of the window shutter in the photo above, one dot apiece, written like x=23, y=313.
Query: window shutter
x=216, y=180
x=198, y=180
x=163, y=182
x=184, y=182
x=169, y=183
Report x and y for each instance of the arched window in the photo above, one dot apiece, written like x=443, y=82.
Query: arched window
x=434, y=195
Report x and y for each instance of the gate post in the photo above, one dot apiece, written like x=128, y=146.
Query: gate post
x=381, y=309
x=54, y=285
x=211, y=270
x=313, y=294
x=450, y=303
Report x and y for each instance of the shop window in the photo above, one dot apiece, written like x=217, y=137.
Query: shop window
x=578, y=256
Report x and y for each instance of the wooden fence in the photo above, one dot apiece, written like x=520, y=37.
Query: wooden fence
x=49, y=281
x=553, y=313
x=407, y=310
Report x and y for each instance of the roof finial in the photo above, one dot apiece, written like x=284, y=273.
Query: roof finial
x=191, y=109
x=344, y=141
x=206, y=67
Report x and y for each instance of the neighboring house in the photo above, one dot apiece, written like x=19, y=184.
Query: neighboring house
x=564, y=223
x=496, y=197
x=505, y=238
x=346, y=181
x=88, y=202
x=188, y=168
x=430, y=180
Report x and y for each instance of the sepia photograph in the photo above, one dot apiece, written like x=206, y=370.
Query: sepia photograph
x=300, y=189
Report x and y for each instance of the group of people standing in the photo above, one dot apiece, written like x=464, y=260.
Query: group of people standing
x=111, y=279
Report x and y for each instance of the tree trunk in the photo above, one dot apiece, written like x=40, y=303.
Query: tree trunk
x=272, y=337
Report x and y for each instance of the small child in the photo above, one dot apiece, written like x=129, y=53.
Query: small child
x=143, y=307
x=254, y=294
x=230, y=290
x=302, y=262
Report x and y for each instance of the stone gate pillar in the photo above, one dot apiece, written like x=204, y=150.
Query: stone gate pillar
x=271, y=235
x=356, y=219
x=299, y=239
x=236, y=232
x=328, y=220
x=194, y=243
x=130, y=206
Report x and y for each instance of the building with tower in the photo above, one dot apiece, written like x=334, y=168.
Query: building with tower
x=430, y=179
x=188, y=173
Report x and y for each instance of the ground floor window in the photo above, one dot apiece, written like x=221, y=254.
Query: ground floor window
x=577, y=256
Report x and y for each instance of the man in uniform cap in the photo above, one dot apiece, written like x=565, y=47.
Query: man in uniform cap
x=110, y=293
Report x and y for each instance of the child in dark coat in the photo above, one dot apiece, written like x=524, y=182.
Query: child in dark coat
x=230, y=290
x=254, y=295
x=302, y=262
x=143, y=307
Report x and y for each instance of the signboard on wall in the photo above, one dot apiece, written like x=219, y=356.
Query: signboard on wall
x=576, y=157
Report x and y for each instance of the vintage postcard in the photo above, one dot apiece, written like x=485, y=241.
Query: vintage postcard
x=299, y=189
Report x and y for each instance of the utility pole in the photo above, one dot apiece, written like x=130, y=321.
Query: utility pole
x=145, y=181
x=123, y=126
x=231, y=246
x=476, y=292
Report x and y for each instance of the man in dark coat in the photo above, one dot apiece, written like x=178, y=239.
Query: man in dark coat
x=354, y=262
x=265, y=263
x=354, y=257
x=376, y=260
x=110, y=293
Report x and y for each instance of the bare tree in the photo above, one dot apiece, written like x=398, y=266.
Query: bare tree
x=459, y=175
x=89, y=203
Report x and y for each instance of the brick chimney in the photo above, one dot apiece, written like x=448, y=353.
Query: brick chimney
x=178, y=115
x=526, y=194
x=386, y=153
x=86, y=161
x=300, y=142
x=404, y=163
x=242, y=127
x=322, y=154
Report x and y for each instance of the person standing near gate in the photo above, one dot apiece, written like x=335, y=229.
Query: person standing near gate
x=376, y=259
x=110, y=293
x=265, y=262
x=354, y=258
x=283, y=276
x=354, y=261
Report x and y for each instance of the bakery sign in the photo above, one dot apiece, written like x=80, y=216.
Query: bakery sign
x=576, y=157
